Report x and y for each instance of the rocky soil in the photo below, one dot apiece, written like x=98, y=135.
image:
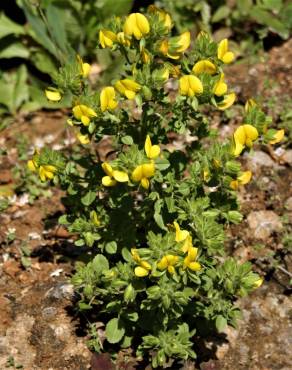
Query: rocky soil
x=39, y=329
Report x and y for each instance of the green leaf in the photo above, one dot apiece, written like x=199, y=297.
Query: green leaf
x=14, y=89
x=88, y=198
x=220, y=323
x=111, y=247
x=269, y=20
x=128, y=140
x=114, y=330
x=114, y=7
x=162, y=163
x=8, y=27
x=21, y=88
x=43, y=61
x=14, y=50
x=221, y=13
x=159, y=220
x=57, y=27
x=38, y=30
x=100, y=264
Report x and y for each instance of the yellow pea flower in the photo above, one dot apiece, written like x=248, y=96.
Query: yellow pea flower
x=128, y=87
x=83, y=113
x=223, y=53
x=152, y=151
x=108, y=98
x=180, y=235
x=204, y=66
x=187, y=244
x=243, y=179
x=122, y=39
x=32, y=165
x=190, y=85
x=144, y=267
x=53, y=94
x=145, y=56
x=243, y=136
x=47, y=172
x=174, y=47
x=136, y=25
x=168, y=262
x=278, y=136
x=107, y=38
x=113, y=176
x=220, y=87
x=84, y=139
x=258, y=283
x=190, y=260
x=228, y=100
x=94, y=219
x=163, y=16
x=249, y=104
x=84, y=67
x=142, y=173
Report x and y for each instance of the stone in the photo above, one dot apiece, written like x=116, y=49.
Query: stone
x=264, y=223
x=61, y=291
x=288, y=204
x=287, y=157
x=259, y=159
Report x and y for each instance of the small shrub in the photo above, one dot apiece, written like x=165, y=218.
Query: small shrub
x=153, y=215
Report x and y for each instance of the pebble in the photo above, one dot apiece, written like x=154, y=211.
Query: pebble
x=61, y=291
x=258, y=160
x=264, y=223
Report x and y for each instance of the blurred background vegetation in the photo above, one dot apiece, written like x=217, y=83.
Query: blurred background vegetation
x=38, y=36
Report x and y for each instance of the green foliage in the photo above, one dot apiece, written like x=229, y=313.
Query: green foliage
x=237, y=16
x=153, y=216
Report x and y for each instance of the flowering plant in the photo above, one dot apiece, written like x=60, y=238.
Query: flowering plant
x=152, y=215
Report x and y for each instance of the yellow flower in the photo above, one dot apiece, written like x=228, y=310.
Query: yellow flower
x=128, y=88
x=163, y=17
x=223, y=53
x=94, y=219
x=168, y=262
x=84, y=139
x=32, y=165
x=180, y=235
x=228, y=100
x=258, y=283
x=145, y=56
x=113, y=176
x=187, y=244
x=190, y=260
x=278, y=136
x=84, y=67
x=244, y=136
x=53, y=94
x=47, y=172
x=83, y=113
x=190, y=85
x=152, y=151
x=249, y=104
x=142, y=173
x=243, y=179
x=136, y=25
x=220, y=87
x=108, y=98
x=204, y=66
x=106, y=38
x=144, y=267
x=122, y=39
x=175, y=46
